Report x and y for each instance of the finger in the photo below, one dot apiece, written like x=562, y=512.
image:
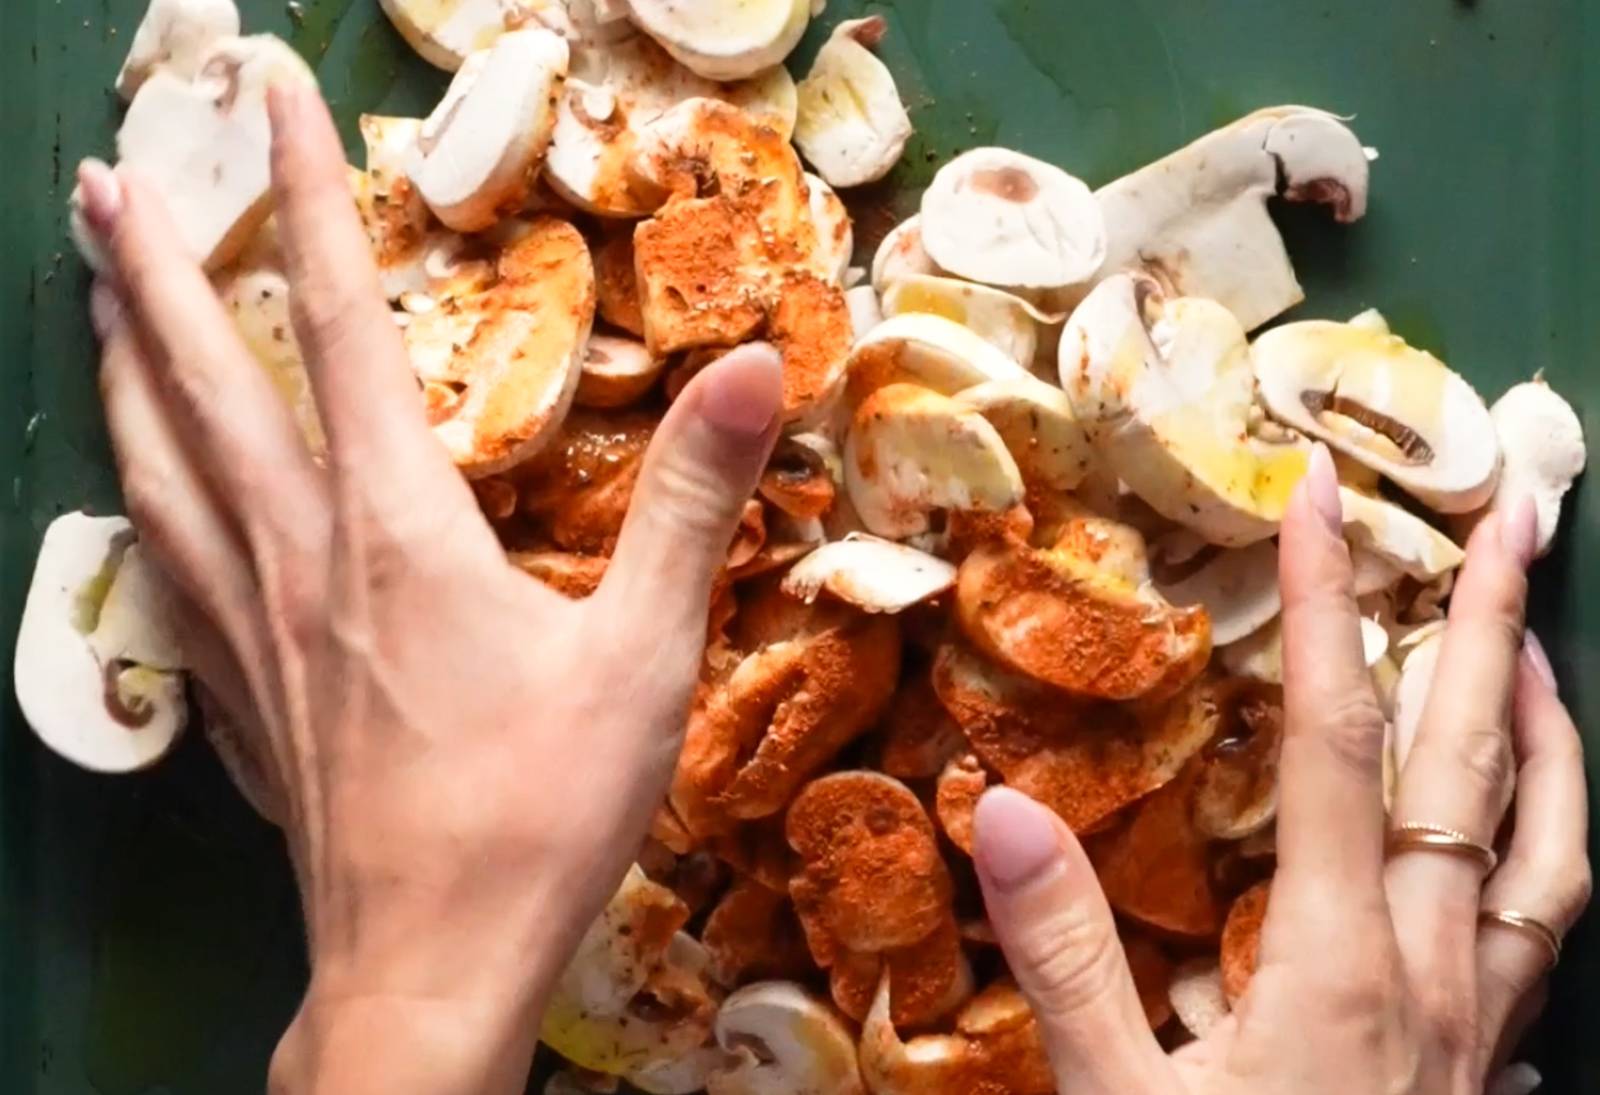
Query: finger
x=1061, y=944
x=1330, y=817
x=355, y=354
x=703, y=464
x=223, y=406
x=1546, y=874
x=1460, y=771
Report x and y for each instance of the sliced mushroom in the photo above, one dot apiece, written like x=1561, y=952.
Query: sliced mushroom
x=1057, y=616
x=1197, y=997
x=865, y=310
x=1259, y=655
x=835, y=234
x=804, y=476
x=1236, y=789
x=927, y=980
x=617, y=283
x=616, y=372
x=788, y=1042
x=205, y=144
x=996, y=1046
x=912, y=452
x=926, y=349
x=1036, y=422
x=721, y=40
x=479, y=152
x=174, y=36
x=999, y=317
x=1541, y=442
x=258, y=301
x=1241, y=940
x=1400, y=537
x=500, y=367
x=1165, y=390
x=752, y=933
x=1396, y=409
x=1411, y=694
x=770, y=96
x=446, y=32
x=1238, y=588
x=873, y=575
x=576, y=493
x=1083, y=761
x=919, y=736
x=573, y=576
x=1197, y=220
x=960, y=786
x=1002, y=218
x=98, y=670
x=852, y=125
x=901, y=255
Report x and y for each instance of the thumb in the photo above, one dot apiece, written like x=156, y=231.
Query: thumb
x=703, y=464
x=1061, y=943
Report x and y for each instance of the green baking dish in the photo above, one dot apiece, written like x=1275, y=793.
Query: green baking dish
x=149, y=939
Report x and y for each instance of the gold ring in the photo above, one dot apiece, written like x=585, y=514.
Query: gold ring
x=1527, y=925
x=1418, y=837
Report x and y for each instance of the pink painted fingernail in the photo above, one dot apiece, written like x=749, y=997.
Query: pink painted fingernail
x=1534, y=651
x=1519, y=530
x=101, y=196
x=1016, y=839
x=742, y=393
x=1322, y=483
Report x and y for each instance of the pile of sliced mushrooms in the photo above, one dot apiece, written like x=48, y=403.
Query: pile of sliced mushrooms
x=1019, y=529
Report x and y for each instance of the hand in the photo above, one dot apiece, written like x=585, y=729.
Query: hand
x=463, y=762
x=1375, y=975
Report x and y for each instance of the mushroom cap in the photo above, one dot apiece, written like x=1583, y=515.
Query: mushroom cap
x=1541, y=442
x=480, y=150
x=901, y=255
x=852, y=125
x=912, y=452
x=616, y=372
x=928, y=350
x=873, y=575
x=1036, y=422
x=1002, y=218
x=793, y=1043
x=79, y=675
x=1237, y=587
x=1399, y=536
x=1396, y=409
x=1165, y=390
x=500, y=367
x=999, y=317
x=205, y=144
x=724, y=39
x=174, y=36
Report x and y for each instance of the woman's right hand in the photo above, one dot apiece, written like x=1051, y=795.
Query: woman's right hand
x=1376, y=973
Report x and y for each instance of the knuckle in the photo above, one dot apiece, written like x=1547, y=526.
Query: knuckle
x=692, y=498
x=1352, y=729
x=1483, y=754
x=1069, y=963
x=1450, y=1016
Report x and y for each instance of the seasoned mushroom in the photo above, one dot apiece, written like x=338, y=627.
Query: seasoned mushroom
x=1164, y=388
x=919, y=735
x=1036, y=422
x=927, y=980
x=901, y=255
x=873, y=575
x=995, y=1046
x=1396, y=409
x=617, y=283
x=788, y=1043
x=960, y=786
x=1241, y=940
x=753, y=933
x=616, y=372
x=577, y=491
x=1002, y=218
x=1236, y=789
x=928, y=350
x=724, y=39
x=174, y=36
x=852, y=125
x=1197, y=220
x=804, y=476
x=836, y=241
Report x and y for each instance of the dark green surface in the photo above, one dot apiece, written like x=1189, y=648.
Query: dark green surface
x=149, y=935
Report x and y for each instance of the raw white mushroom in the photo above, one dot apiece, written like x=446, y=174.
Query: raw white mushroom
x=928, y=350
x=1259, y=655
x=836, y=241
x=205, y=144
x=175, y=35
x=98, y=670
x=901, y=255
x=912, y=452
x=1002, y=218
x=1239, y=589
x=999, y=317
x=616, y=372
x=852, y=125
x=446, y=32
x=1396, y=409
x=479, y=152
x=1197, y=220
x=1036, y=422
x=787, y=1042
x=1394, y=534
x=258, y=300
x=1196, y=995
x=1163, y=386
x=724, y=39
x=865, y=311
x=1541, y=442
x=873, y=575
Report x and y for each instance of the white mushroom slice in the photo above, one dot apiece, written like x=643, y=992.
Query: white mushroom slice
x=1398, y=536
x=478, y=154
x=98, y=670
x=865, y=311
x=836, y=241
x=1238, y=588
x=205, y=145
x=912, y=452
x=1196, y=995
x=928, y=350
x=1007, y=321
x=1374, y=642
x=872, y=574
x=1197, y=220
x=500, y=367
x=258, y=301
x=1411, y=694
x=1371, y=320
x=788, y=1043
x=1542, y=443
x=1002, y=218
x=724, y=39
x=446, y=32
x=1396, y=409
x=1373, y=572
x=616, y=372
x=1259, y=655
x=1036, y=422
x=852, y=125
x=1163, y=386
x=174, y=36
x=901, y=255
x=771, y=96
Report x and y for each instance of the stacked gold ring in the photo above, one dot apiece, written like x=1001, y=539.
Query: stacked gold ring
x=1420, y=837
x=1527, y=925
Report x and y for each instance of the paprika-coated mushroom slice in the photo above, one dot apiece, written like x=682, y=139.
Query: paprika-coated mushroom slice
x=724, y=39
x=995, y=1046
x=960, y=786
x=577, y=491
x=1036, y=422
x=1241, y=940
x=752, y=933
x=852, y=125
x=873, y=575
x=787, y=1042
x=927, y=980
x=174, y=36
x=919, y=736
x=617, y=283
x=616, y=372
x=927, y=350
x=1236, y=787
x=804, y=476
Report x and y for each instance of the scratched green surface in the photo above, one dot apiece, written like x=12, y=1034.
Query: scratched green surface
x=148, y=936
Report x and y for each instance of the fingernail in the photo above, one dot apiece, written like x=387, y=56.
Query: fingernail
x=105, y=310
x=1534, y=651
x=101, y=197
x=1322, y=484
x=743, y=392
x=1016, y=839
x=1519, y=530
